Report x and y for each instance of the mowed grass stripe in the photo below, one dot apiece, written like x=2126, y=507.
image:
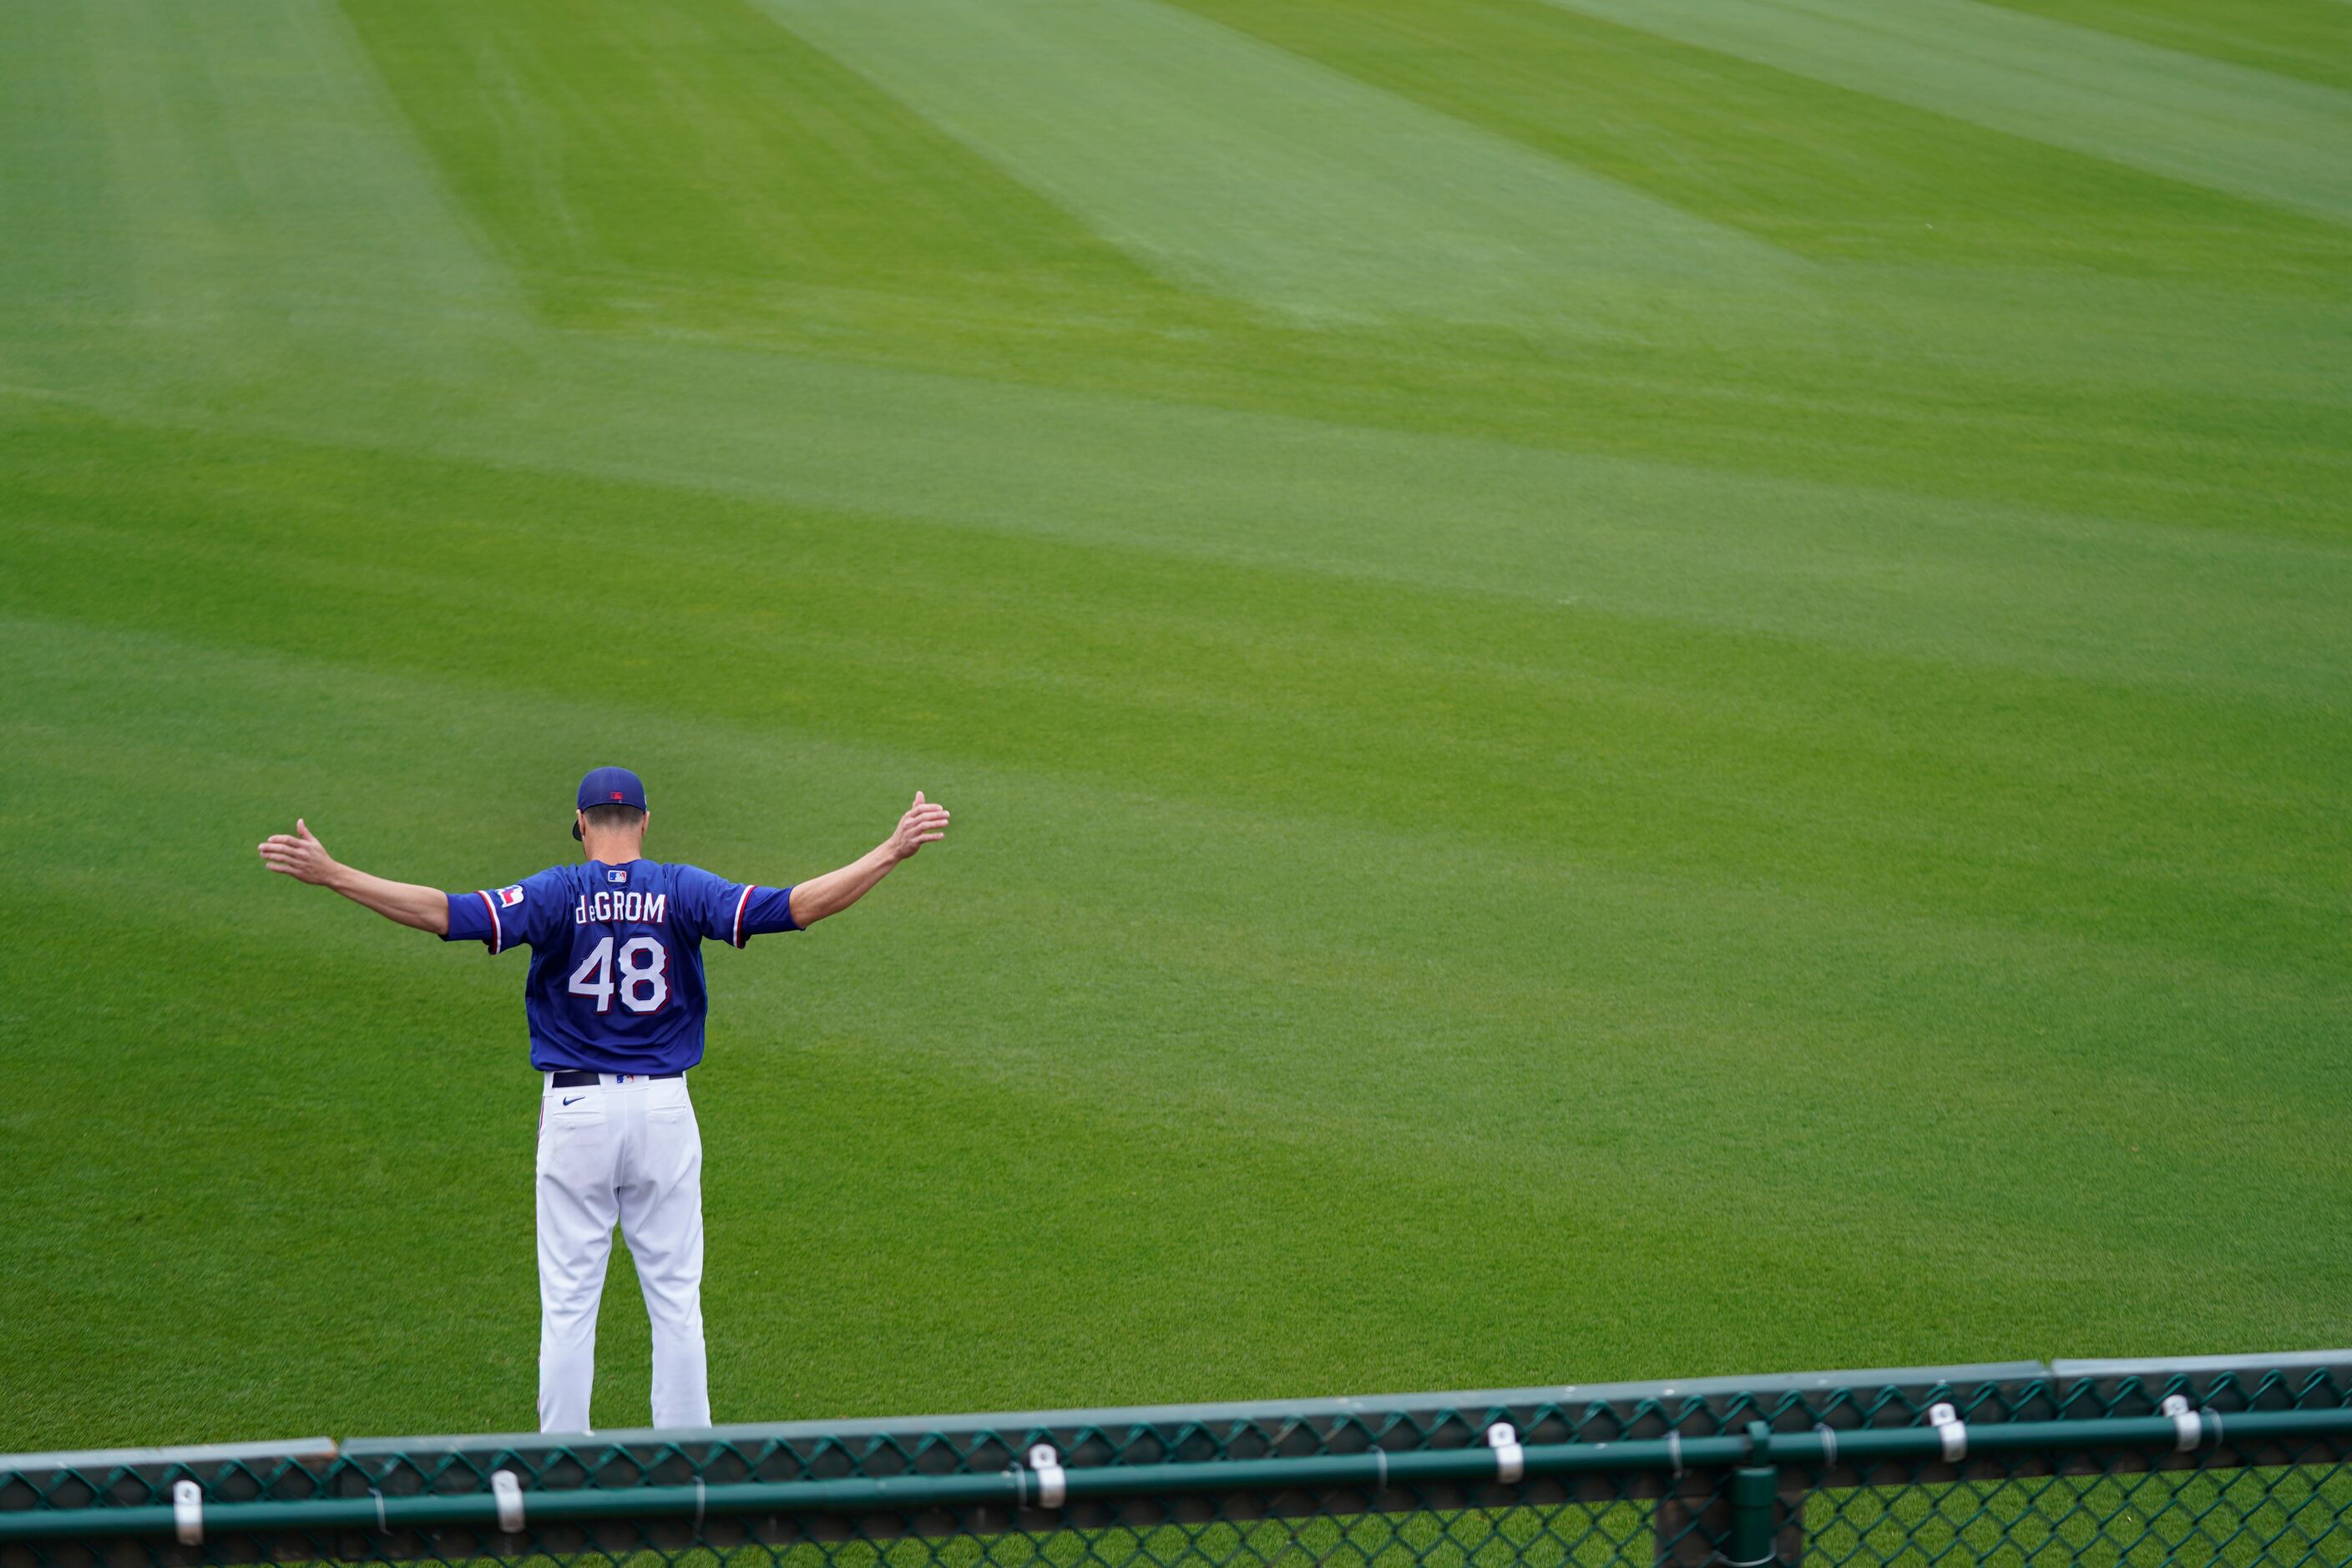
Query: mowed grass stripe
x=2307, y=39
x=773, y=169
x=61, y=223
x=1819, y=170
x=1869, y=567
x=2249, y=132
x=272, y=182
x=1241, y=169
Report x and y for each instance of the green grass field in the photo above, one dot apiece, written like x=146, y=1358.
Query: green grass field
x=1632, y=687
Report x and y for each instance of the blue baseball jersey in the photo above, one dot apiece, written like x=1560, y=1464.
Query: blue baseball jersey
x=616, y=979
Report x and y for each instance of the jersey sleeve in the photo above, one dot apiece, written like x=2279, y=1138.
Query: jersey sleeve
x=734, y=912
x=500, y=918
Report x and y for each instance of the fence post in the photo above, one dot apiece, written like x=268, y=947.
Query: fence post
x=1755, y=1514
x=1754, y=1487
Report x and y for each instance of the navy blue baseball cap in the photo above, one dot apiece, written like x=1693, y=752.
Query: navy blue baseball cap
x=610, y=786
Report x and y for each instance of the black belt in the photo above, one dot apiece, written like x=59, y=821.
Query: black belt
x=591, y=1080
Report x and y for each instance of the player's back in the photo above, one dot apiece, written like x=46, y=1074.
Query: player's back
x=617, y=982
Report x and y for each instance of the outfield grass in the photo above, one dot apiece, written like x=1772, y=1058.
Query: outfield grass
x=1630, y=690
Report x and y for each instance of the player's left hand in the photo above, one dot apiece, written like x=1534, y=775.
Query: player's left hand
x=298, y=854
x=926, y=821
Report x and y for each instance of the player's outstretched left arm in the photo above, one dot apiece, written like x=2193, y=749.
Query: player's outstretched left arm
x=925, y=822
x=300, y=856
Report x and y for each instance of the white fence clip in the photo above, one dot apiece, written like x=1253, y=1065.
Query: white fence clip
x=188, y=1512
x=1950, y=1429
x=1510, y=1459
x=509, y=1491
x=2188, y=1426
x=1052, y=1482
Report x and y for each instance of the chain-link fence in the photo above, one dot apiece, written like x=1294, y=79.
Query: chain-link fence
x=2210, y=1460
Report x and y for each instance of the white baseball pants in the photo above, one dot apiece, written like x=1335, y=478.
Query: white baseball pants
x=625, y=1148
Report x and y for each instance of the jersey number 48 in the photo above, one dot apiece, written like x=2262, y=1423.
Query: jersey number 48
x=643, y=979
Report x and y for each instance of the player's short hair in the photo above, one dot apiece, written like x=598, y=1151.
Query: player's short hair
x=614, y=819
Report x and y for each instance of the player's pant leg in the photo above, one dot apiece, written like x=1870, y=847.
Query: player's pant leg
x=578, y=1143
x=661, y=1217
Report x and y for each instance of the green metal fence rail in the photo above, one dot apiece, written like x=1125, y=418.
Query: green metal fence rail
x=2202, y=1460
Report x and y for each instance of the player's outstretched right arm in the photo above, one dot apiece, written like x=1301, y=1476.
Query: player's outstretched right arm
x=925, y=822
x=301, y=857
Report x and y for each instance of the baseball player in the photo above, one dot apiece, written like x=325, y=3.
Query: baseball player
x=616, y=1004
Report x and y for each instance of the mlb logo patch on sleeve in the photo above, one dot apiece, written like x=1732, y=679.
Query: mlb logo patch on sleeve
x=509, y=897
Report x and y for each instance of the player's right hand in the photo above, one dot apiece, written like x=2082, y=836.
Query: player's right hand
x=926, y=821
x=298, y=854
